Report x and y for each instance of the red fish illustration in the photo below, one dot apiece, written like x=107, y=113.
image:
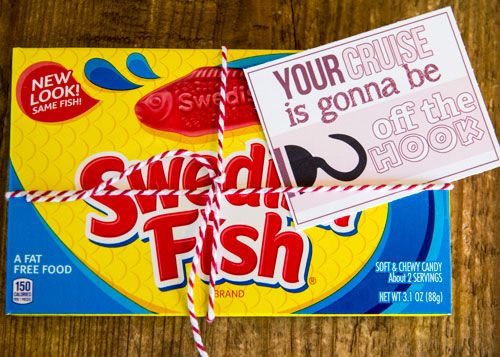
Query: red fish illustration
x=190, y=105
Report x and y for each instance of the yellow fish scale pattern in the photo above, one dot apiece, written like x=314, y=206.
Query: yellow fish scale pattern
x=47, y=155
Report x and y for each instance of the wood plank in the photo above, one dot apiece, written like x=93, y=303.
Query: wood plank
x=268, y=24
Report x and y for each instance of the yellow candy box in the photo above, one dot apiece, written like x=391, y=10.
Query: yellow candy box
x=81, y=115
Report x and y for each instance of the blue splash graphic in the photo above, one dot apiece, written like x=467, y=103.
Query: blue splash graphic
x=255, y=60
x=138, y=65
x=103, y=74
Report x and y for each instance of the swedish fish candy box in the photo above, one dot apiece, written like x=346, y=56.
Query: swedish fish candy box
x=80, y=116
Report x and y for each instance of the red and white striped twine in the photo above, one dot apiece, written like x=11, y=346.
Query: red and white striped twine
x=211, y=212
x=217, y=185
x=74, y=195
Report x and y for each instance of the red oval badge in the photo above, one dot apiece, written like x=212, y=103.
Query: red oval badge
x=48, y=92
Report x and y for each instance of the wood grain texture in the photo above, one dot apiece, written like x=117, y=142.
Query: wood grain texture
x=473, y=327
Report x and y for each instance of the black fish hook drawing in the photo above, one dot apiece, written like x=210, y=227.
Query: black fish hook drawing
x=305, y=166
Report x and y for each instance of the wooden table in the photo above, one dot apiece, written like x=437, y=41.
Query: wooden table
x=473, y=327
